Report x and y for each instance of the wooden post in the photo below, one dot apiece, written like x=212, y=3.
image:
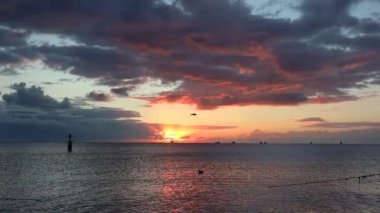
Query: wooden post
x=69, y=143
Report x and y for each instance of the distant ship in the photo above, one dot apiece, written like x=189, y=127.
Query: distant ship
x=217, y=142
x=233, y=142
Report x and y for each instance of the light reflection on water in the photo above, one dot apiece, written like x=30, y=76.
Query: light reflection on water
x=164, y=178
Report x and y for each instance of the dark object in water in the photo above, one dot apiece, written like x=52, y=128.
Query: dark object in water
x=193, y=114
x=311, y=142
x=233, y=142
x=200, y=172
x=261, y=142
x=69, y=143
x=341, y=143
x=218, y=142
x=265, y=142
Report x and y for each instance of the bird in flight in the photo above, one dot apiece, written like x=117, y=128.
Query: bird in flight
x=193, y=114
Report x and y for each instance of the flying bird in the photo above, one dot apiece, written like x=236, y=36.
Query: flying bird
x=193, y=114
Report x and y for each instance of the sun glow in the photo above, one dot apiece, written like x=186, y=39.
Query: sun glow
x=174, y=135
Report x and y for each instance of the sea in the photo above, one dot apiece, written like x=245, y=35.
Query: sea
x=127, y=177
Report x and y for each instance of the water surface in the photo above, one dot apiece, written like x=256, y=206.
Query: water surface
x=164, y=178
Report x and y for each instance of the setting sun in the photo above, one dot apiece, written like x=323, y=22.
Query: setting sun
x=172, y=134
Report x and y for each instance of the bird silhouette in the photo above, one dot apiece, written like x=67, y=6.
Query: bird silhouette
x=193, y=114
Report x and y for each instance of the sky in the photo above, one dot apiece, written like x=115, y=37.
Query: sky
x=282, y=71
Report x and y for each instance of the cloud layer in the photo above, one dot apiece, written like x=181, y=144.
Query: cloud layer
x=221, y=52
x=363, y=136
x=28, y=114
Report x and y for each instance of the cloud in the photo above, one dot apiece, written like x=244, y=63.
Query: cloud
x=344, y=125
x=212, y=101
x=312, y=119
x=29, y=115
x=85, y=124
x=317, y=58
x=120, y=91
x=367, y=135
x=98, y=96
x=194, y=127
x=33, y=97
x=9, y=72
x=316, y=122
x=9, y=38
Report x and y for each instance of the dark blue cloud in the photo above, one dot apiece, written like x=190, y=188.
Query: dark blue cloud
x=33, y=97
x=9, y=38
x=29, y=115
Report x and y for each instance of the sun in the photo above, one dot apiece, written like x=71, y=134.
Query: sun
x=174, y=135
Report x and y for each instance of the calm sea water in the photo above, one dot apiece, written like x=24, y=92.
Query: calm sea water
x=164, y=178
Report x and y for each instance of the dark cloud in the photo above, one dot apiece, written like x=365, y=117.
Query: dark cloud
x=9, y=38
x=30, y=115
x=33, y=97
x=316, y=58
x=210, y=101
x=8, y=58
x=86, y=124
x=345, y=125
x=120, y=91
x=320, y=14
x=98, y=96
x=27, y=121
x=312, y=119
x=9, y=72
x=313, y=58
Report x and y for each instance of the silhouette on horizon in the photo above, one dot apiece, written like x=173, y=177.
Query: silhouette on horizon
x=69, y=143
